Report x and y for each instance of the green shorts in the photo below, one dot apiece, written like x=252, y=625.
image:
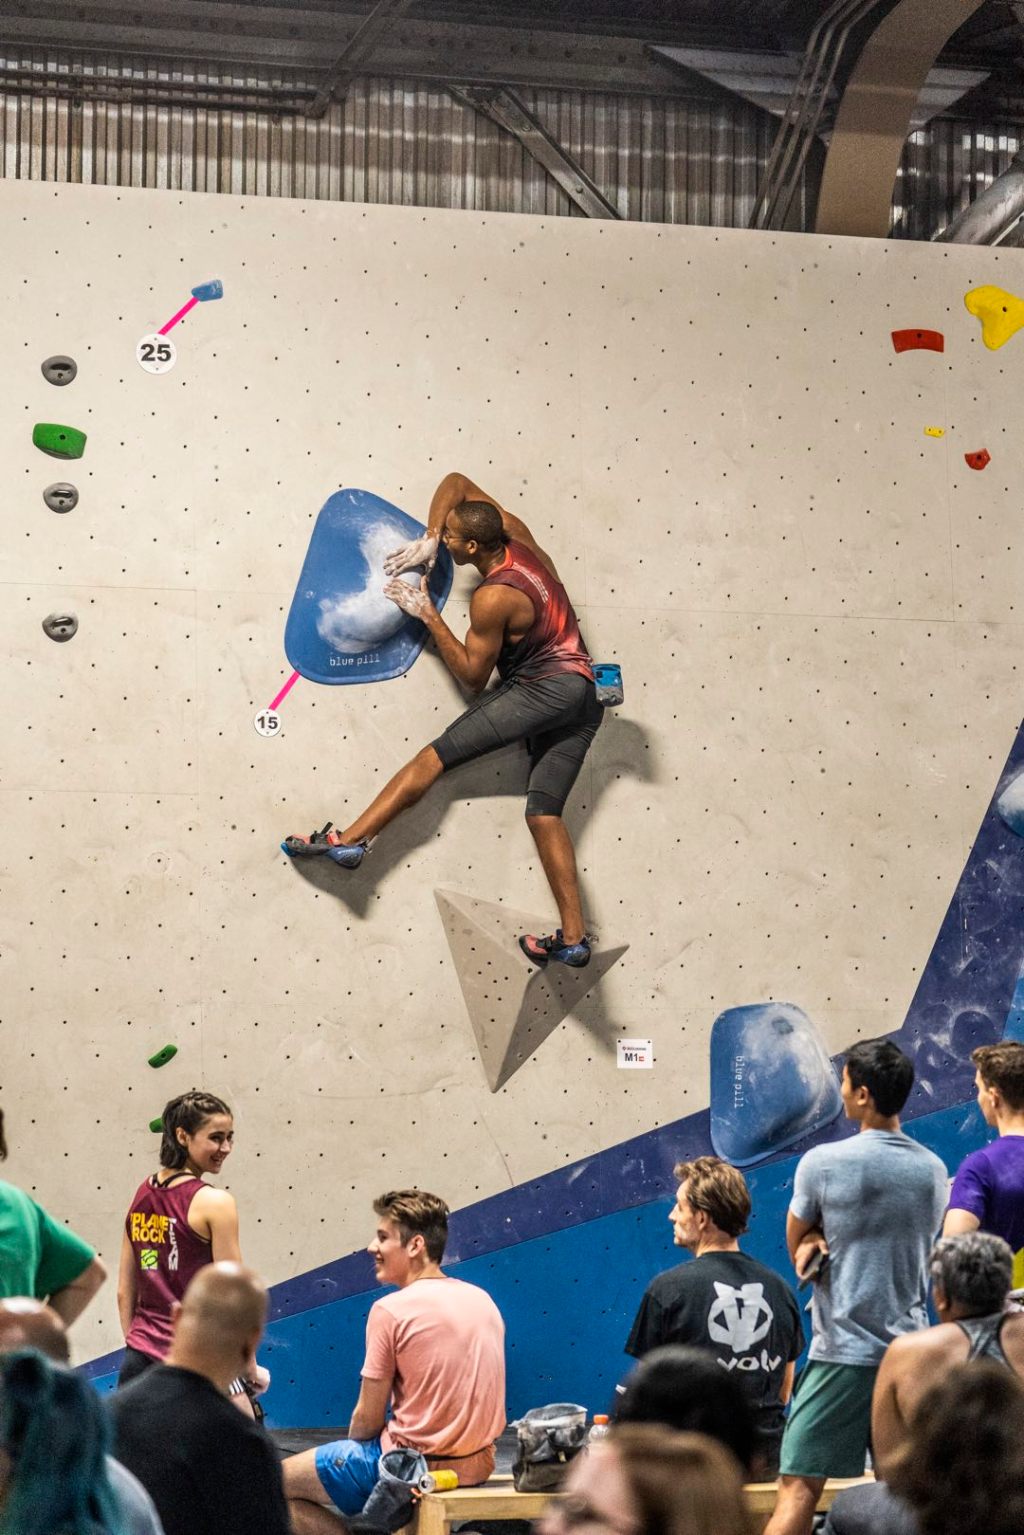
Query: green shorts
x=830, y=1421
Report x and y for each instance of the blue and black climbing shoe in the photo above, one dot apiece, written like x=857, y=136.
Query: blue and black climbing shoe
x=540, y=950
x=326, y=844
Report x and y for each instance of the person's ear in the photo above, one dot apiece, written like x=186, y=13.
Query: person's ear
x=181, y=1137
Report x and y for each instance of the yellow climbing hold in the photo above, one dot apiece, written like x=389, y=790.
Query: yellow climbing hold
x=1001, y=314
x=935, y=431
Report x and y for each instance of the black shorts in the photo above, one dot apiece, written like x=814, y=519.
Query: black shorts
x=557, y=717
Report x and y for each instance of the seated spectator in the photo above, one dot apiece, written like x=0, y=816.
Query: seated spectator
x=42, y=1258
x=645, y=1479
x=970, y=1280
x=29, y=1324
x=435, y=1350
x=971, y=1277
x=962, y=1470
x=738, y=1309
x=53, y=1442
x=208, y=1469
x=687, y=1389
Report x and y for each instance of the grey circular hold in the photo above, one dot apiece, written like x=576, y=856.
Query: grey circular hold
x=61, y=497
x=59, y=370
x=60, y=626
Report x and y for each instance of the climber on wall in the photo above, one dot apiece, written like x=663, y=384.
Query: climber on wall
x=521, y=620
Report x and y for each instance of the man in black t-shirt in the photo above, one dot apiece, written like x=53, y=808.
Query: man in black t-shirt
x=724, y=1301
x=208, y=1469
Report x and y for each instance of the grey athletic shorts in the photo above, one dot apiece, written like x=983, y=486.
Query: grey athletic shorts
x=557, y=717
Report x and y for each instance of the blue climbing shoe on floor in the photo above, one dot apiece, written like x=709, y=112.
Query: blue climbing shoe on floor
x=326, y=844
x=541, y=950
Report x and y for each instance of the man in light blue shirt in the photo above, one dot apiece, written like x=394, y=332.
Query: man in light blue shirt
x=867, y=1208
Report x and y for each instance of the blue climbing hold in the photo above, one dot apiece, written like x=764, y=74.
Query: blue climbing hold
x=1010, y=804
x=208, y=290
x=772, y=1081
x=341, y=627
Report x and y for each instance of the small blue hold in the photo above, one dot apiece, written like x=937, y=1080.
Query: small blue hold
x=772, y=1081
x=1010, y=804
x=208, y=290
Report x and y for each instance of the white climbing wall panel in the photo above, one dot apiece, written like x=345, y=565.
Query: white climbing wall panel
x=814, y=604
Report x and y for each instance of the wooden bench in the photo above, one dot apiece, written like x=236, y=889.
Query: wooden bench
x=498, y=1499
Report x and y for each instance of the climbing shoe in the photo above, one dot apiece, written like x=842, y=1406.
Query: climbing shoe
x=540, y=950
x=326, y=844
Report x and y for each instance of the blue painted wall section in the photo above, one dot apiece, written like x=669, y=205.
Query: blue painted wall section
x=567, y=1256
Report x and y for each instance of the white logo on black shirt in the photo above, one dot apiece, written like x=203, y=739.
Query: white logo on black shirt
x=740, y=1317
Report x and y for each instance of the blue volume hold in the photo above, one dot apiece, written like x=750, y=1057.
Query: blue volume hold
x=772, y=1081
x=341, y=628
x=208, y=290
x=1010, y=804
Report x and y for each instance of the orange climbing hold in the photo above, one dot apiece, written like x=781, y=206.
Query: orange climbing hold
x=918, y=340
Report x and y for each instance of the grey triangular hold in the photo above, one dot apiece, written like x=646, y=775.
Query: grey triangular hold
x=512, y=1005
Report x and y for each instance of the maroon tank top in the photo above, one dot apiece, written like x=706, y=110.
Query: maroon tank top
x=167, y=1253
x=553, y=643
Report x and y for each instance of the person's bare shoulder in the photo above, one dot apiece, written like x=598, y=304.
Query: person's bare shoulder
x=945, y=1340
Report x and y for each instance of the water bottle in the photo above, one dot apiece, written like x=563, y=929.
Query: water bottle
x=598, y=1429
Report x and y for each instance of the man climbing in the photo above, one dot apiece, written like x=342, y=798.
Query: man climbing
x=521, y=620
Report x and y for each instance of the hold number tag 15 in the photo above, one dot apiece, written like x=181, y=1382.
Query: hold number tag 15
x=156, y=354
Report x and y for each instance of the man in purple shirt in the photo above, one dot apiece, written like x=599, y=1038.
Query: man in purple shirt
x=988, y=1191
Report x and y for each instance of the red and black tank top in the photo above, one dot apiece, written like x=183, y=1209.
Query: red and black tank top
x=167, y=1253
x=553, y=643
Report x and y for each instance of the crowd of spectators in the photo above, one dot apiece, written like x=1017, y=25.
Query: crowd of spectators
x=935, y=1412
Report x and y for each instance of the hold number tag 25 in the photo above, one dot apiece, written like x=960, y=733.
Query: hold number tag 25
x=156, y=353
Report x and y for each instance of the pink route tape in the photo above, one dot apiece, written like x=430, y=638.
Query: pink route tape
x=292, y=680
x=182, y=312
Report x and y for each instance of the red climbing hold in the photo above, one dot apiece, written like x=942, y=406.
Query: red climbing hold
x=918, y=340
x=978, y=460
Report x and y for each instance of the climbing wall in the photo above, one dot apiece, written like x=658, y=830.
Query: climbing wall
x=763, y=510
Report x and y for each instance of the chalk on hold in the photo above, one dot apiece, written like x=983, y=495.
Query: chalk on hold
x=163, y=1056
x=156, y=1125
x=208, y=290
x=918, y=340
x=935, y=431
x=60, y=626
x=1001, y=314
x=978, y=460
x=59, y=370
x=58, y=441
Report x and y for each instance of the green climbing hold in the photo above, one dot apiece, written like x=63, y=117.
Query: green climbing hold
x=163, y=1056
x=156, y=1125
x=58, y=441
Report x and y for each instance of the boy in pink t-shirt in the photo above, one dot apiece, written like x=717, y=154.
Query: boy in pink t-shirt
x=435, y=1350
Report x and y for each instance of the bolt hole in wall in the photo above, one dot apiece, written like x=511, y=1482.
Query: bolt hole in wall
x=813, y=603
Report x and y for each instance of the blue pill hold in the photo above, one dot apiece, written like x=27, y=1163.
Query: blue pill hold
x=772, y=1081
x=208, y=290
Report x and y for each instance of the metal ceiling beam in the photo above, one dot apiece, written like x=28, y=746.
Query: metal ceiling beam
x=767, y=80
x=503, y=107
x=354, y=59
x=992, y=213
x=874, y=115
x=302, y=39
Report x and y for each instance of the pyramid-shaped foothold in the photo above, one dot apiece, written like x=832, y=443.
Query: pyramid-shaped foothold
x=512, y=1005
x=58, y=441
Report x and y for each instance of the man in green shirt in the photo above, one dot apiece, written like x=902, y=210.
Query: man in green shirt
x=40, y=1257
